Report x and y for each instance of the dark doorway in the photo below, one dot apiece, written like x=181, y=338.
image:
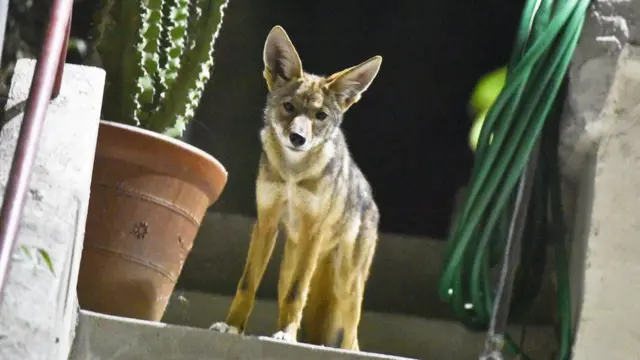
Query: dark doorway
x=408, y=133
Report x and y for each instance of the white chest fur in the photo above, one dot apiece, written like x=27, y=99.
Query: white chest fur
x=292, y=200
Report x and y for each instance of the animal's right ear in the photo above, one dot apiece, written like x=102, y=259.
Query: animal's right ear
x=281, y=61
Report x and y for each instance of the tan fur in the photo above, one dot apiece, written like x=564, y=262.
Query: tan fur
x=317, y=194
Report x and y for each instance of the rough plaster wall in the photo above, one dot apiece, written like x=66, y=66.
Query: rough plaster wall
x=609, y=26
x=609, y=320
x=38, y=309
x=592, y=115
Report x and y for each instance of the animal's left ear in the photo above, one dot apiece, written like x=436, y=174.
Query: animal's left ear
x=349, y=84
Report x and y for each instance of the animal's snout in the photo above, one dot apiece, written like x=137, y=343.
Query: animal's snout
x=296, y=139
x=299, y=131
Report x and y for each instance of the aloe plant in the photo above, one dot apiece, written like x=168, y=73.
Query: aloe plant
x=158, y=55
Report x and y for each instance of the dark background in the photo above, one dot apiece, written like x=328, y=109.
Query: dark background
x=409, y=131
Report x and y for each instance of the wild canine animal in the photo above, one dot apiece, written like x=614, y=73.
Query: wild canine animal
x=309, y=184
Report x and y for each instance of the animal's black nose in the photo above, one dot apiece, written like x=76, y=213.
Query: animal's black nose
x=296, y=139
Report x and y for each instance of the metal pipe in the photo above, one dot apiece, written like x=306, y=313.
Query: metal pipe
x=46, y=71
x=4, y=10
x=63, y=57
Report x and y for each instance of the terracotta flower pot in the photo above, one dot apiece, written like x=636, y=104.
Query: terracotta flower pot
x=149, y=194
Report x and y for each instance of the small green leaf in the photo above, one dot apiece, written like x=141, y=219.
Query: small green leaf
x=26, y=250
x=47, y=259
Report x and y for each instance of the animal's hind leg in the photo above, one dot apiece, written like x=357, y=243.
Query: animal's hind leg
x=343, y=315
x=351, y=312
x=353, y=272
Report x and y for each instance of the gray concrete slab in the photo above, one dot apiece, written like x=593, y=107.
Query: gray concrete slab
x=599, y=166
x=382, y=333
x=38, y=311
x=608, y=321
x=105, y=337
x=609, y=26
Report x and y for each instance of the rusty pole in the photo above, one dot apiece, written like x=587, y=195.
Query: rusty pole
x=48, y=69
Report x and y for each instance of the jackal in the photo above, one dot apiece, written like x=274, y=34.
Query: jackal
x=309, y=184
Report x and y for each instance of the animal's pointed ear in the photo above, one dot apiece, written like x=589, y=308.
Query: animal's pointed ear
x=349, y=84
x=281, y=61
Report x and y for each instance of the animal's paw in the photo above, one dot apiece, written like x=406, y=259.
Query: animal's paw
x=222, y=327
x=283, y=336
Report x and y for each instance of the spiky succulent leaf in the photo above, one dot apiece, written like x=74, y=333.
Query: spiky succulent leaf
x=195, y=14
x=116, y=35
x=182, y=98
x=158, y=55
x=148, y=57
x=102, y=20
x=177, y=22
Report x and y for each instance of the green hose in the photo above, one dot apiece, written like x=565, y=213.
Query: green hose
x=545, y=42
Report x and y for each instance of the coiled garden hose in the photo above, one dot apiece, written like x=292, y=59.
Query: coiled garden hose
x=519, y=119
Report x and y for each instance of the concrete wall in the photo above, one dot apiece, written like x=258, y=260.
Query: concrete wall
x=598, y=162
x=39, y=304
x=607, y=321
x=404, y=277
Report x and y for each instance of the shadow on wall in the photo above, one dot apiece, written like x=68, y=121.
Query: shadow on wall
x=408, y=133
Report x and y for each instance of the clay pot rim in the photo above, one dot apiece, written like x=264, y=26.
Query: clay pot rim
x=216, y=177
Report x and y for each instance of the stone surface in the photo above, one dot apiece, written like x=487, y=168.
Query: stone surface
x=608, y=320
x=609, y=26
x=38, y=311
x=382, y=333
x=598, y=162
x=103, y=337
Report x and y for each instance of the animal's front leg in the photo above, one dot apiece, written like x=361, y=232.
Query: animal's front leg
x=263, y=239
x=295, y=280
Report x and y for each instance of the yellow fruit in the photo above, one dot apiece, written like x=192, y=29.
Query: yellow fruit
x=487, y=90
x=474, y=134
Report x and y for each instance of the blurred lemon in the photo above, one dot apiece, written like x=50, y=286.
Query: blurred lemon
x=474, y=134
x=487, y=90
x=484, y=94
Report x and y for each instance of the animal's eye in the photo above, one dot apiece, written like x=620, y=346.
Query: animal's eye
x=288, y=106
x=321, y=115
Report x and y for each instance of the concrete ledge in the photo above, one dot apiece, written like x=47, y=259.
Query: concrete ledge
x=381, y=333
x=404, y=278
x=104, y=337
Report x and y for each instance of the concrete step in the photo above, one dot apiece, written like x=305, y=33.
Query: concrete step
x=183, y=335
x=104, y=337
